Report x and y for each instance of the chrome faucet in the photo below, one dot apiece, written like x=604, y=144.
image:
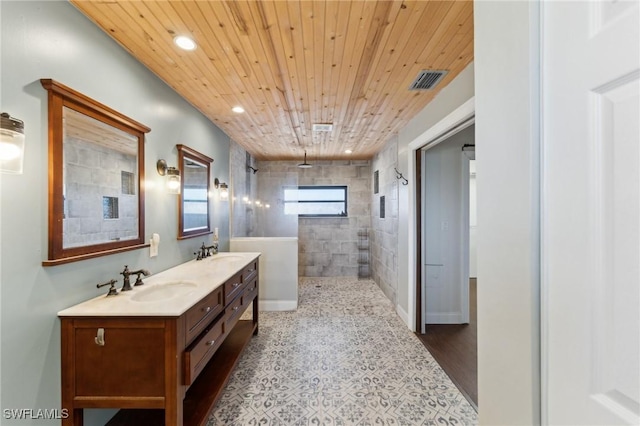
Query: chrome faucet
x=126, y=286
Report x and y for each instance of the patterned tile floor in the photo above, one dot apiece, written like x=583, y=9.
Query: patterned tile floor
x=343, y=358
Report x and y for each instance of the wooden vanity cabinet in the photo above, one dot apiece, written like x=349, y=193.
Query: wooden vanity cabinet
x=158, y=370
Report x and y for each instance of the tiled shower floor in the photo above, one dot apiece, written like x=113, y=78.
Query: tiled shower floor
x=343, y=358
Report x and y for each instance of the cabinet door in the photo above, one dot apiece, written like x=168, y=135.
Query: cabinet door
x=130, y=362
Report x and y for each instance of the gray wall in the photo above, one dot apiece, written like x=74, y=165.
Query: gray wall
x=384, y=231
x=329, y=246
x=460, y=90
x=53, y=40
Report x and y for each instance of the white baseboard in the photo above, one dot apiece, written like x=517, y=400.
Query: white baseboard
x=278, y=305
x=404, y=316
x=444, y=318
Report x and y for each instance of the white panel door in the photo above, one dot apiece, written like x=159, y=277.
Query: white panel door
x=591, y=212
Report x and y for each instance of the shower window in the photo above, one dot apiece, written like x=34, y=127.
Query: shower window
x=316, y=201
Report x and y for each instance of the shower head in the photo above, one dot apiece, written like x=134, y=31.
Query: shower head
x=305, y=165
x=252, y=169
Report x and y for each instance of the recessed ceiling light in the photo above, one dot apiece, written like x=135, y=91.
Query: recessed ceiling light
x=185, y=43
x=237, y=109
x=348, y=151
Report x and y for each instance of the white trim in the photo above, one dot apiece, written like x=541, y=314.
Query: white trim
x=465, y=113
x=440, y=131
x=404, y=315
x=542, y=236
x=464, y=233
x=278, y=305
x=444, y=318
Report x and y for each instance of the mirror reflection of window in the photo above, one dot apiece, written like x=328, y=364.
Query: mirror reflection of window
x=194, y=215
x=195, y=208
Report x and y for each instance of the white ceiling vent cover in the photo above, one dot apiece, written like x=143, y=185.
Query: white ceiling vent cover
x=322, y=127
x=427, y=79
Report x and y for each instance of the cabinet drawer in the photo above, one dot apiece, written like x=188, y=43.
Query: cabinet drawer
x=250, y=291
x=199, y=316
x=249, y=271
x=200, y=352
x=233, y=313
x=233, y=287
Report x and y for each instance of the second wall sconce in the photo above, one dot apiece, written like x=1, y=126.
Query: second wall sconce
x=173, y=176
x=223, y=187
x=11, y=144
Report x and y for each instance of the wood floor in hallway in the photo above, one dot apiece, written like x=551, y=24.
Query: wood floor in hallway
x=455, y=348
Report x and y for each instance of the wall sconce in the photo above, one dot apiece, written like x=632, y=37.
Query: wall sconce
x=173, y=176
x=223, y=187
x=11, y=144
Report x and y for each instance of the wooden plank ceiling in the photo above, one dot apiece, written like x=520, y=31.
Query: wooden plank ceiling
x=292, y=63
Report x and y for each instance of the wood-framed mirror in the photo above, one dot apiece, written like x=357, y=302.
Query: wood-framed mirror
x=194, y=208
x=96, y=173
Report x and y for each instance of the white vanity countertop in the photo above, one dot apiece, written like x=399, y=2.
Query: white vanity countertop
x=198, y=278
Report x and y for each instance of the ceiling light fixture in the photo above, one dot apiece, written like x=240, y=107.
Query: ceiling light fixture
x=348, y=151
x=185, y=43
x=305, y=165
x=237, y=109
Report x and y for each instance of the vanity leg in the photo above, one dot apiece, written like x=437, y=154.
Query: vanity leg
x=67, y=353
x=74, y=418
x=255, y=314
x=174, y=392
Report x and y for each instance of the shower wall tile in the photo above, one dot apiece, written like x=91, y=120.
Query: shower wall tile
x=384, y=235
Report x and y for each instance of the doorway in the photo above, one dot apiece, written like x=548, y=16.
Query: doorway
x=447, y=241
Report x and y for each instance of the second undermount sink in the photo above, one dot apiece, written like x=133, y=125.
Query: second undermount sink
x=164, y=291
x=226, y=257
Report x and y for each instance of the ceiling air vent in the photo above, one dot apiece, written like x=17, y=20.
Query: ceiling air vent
x=322, y=127
x=427, y=79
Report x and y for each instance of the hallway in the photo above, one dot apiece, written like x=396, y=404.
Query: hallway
x=344, y=357
x=455, y=348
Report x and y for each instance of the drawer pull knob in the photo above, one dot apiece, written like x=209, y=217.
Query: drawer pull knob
x=235, y=285
x=207, y=309
x=211, y=342
x=235, y=308
x=99, y=339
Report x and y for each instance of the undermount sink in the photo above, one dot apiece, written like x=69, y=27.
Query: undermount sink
x=227, y=257
x=164, y=291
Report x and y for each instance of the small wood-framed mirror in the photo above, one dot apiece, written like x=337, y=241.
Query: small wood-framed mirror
x=194, y=217
x=96, y=173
